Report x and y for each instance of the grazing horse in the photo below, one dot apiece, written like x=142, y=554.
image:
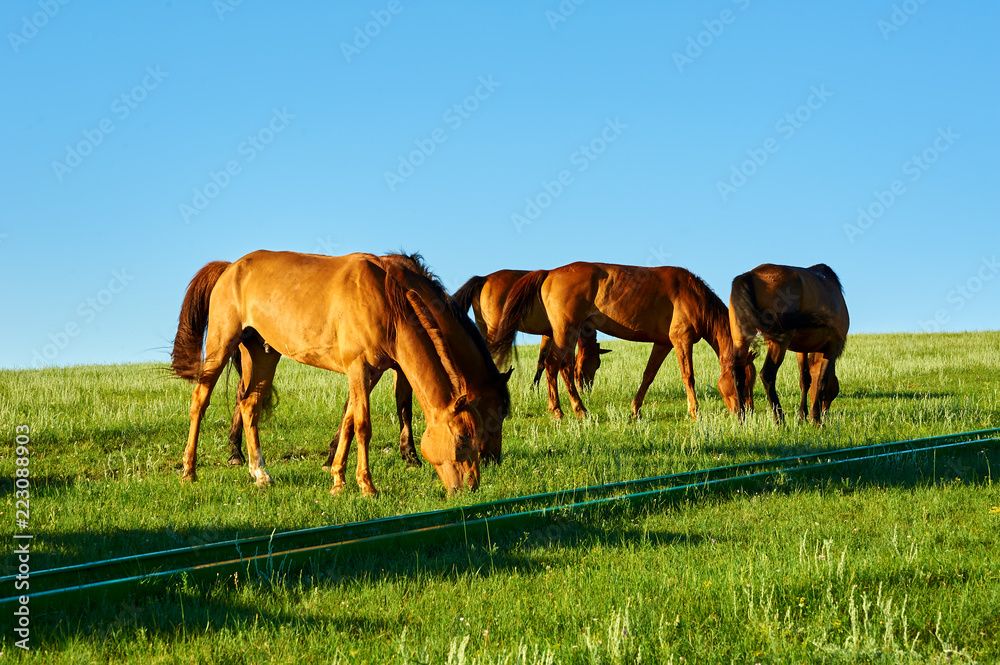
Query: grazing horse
x=435, y=292
x=357, y=315
x=801, y=309
x=487, y=295
x=670, y=307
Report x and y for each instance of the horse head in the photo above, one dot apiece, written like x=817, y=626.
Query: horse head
x=451, y=444
x=588, y=360
x=736, y=384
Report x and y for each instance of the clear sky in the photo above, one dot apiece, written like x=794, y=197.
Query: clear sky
x=143, y=140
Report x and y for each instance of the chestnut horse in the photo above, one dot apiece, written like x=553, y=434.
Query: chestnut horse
x=487, y=295
x=801, y=309
x=436, y=293
x=352, y=315
x=670, y=307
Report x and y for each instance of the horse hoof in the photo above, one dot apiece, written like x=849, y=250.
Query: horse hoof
x=236, y=460
x=189, y=477
x=325, y=467
x=413, y=464
x=263, y=482
x=557, y=414
x=336, y=490
x=369, y=492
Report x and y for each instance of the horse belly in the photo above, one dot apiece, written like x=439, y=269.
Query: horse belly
x=809, y=340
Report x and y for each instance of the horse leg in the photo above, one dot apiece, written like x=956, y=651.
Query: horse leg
x=360, y=382
x=552, y=383
x=656, y=358
x=199, y=403
x=334, y=442
x=338, y=458
x=236, y=430
x=222, y=337
x=686, y=363
x=804, y=383
x=565, y=354
x=742, y=368
x=404, y=411
x=820, y=367
x=768, y=376
x=258, y=376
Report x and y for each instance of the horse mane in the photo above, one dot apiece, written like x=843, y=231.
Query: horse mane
x=416, y=264
x=468, y=291
x=433, y=330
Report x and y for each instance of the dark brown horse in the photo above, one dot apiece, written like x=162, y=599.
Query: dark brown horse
x=487, y=295
x=670, y=307
x=358, y=315
x=801, y=309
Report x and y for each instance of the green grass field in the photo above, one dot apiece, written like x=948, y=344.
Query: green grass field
x=890, y=564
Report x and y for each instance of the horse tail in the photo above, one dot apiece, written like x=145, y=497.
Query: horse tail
x=468, y=292
x=520, y=299
x=743, y=305
x=185, y=359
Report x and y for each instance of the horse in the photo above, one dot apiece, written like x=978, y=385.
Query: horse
x=435, y=292
x=801, y=309
x=668, y=306
x=354, y=315
x=487, y=295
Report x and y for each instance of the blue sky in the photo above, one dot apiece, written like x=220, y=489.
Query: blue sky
x=143, y=141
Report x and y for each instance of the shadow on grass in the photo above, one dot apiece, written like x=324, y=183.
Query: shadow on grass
x=239, y=601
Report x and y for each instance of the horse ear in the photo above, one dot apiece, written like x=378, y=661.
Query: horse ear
x=603, y=351
x=463, y=403
x=506, y=375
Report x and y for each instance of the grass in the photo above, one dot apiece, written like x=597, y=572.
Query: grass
x=893, y=563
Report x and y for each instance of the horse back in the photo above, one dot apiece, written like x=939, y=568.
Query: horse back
x=319, y=310
x=494, y=294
